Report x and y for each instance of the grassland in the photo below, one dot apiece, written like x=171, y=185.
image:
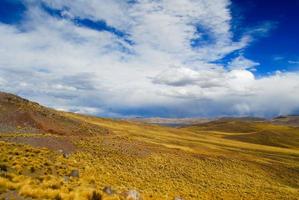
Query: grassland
x=218, y=160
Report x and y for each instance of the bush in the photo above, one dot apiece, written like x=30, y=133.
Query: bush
x=57, y=197
x=96, y=196
x=32, y=169
x=3, y=167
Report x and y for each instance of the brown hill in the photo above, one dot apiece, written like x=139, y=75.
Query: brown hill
x=18, y=115
x=231, y=125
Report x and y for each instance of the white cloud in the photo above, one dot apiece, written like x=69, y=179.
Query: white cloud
x=242, y=63
x=64, y=65
x=81, y=109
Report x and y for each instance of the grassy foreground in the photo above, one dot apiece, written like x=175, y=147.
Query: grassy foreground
x=133, y=159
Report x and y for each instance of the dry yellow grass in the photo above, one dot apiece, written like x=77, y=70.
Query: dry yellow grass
x=159, y=162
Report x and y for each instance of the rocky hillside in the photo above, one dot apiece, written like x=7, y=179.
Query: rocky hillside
x=18, y=115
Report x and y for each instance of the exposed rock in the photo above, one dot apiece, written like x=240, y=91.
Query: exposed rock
x=178, y=198
x=65, y=155
x=108, y=190
x=74, y=173
x=66, y=178
x=132, y=195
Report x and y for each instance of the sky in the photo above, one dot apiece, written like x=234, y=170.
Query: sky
x=153, y=58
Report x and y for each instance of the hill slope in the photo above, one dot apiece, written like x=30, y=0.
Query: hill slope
x=257, y=132
x=18, y=115
x=136, y=160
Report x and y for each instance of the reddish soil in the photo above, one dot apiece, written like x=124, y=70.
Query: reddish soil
x=18, y=115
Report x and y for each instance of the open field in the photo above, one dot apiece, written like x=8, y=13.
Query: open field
x=215, y=160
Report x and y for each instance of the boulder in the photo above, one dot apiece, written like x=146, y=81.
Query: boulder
x=108, y=190
x=74, y=173
x=132, y=195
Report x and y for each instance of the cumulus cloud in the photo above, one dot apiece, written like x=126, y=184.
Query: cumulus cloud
x=182, y=76
x=149, y=57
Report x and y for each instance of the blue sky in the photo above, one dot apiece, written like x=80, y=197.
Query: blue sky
x=277, y=49
x=169, y=58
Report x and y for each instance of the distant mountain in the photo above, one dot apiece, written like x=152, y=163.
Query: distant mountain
x=250, y=119
x=289, y=120
x=174, y=122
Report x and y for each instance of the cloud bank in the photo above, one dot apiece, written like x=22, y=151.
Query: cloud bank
x=145, y=57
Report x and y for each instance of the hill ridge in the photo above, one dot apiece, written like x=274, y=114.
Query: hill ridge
x=21, y=115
